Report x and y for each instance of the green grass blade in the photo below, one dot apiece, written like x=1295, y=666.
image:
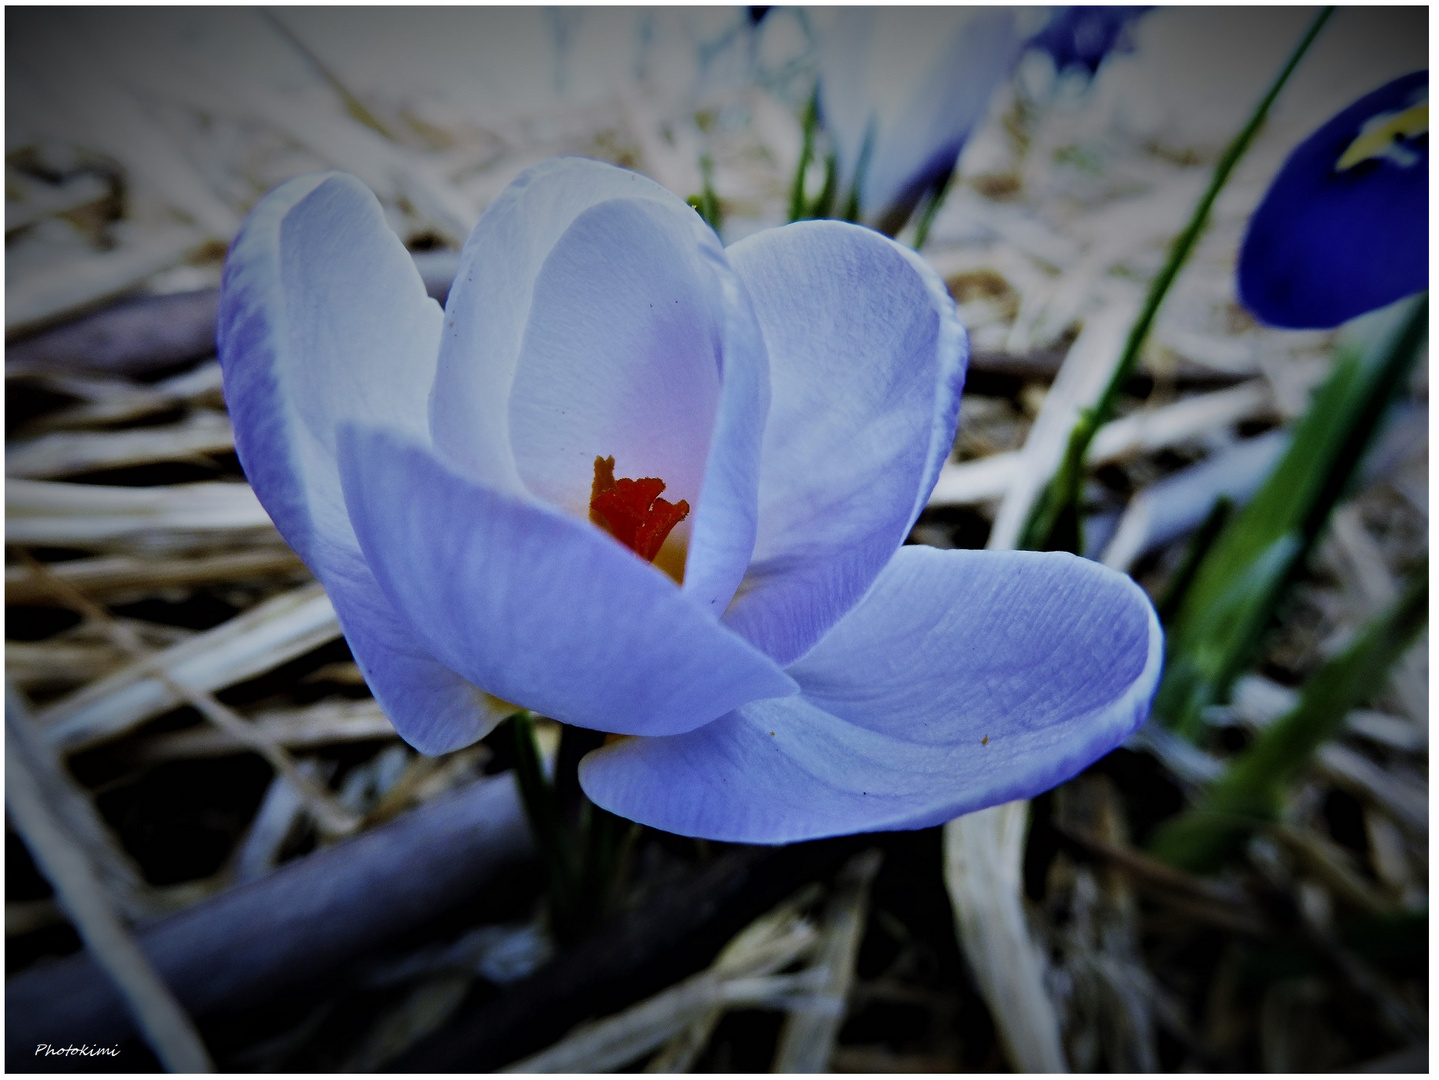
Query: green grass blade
x=1056, y=510
x=1251, y=790
x=1199, y=546
x=797, y=202
x=932, y=206
x=707, y=203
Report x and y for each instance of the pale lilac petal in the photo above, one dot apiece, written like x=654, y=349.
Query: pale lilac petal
x=434, y=709
x=324, y=319
x=965, y=679
x=902, y=88
x=848, y=102
x=867, y=359
x=537, y=607
x=923, y=141
x=595, y=315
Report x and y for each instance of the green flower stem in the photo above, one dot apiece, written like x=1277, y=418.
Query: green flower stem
x=1054, y=522
x=585, y=849
x=1250, y=792
x=542, y=809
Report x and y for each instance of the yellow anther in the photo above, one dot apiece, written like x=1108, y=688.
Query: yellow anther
x=1380, y=134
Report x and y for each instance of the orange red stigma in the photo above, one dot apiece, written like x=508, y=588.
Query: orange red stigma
x=631, y=510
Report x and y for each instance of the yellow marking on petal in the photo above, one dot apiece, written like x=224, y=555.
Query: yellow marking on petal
x=1380, y=135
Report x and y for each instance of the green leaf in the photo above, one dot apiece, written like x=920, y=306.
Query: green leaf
x=1213, y=637
x=1251, y=790
x=1224, y=635
x=1199, y=546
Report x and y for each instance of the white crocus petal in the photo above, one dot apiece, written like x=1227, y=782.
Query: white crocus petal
x=596, y=315
x=538, y=607
x=964, y=680
x=867, y=360
x=847, y=103
x=324, y=319
x=924, y=142
x=901, y=89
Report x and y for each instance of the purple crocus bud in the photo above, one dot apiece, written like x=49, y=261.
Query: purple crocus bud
x=1344, y=228
x=900, y=91
x=647, y=485
x=1079, y=38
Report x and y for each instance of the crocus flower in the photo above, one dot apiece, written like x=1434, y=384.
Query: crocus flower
x=1079, y=38
x=1344, y=228
x=900, y=91
x=482, y=491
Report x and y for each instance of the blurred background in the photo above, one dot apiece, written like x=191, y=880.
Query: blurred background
x=186, y=718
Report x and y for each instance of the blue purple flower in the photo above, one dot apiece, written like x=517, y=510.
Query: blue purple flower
x=1344, y=228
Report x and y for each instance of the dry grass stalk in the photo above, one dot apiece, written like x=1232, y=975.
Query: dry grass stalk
x=179, y=517
x=105, y=401
x=1110, y=1006
x=982, y=856
x=1333, y=867
x=1406, y=802
x=739, y=958
x=251, y=643
x=50, y=665
x=807, y=1039
x=67, y=453
x=117, y=575
x=42, y=296
x=1176, y=505
x=74, y=811
x=1086, y=370
x=424, y=1010
x=1258, y=701
x=1142, y=432
x=329, y=814
x=742, y=974
x=277, y=818
x=38, y=201
x=321, y=724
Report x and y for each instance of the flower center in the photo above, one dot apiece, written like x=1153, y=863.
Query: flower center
x=631, y=510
